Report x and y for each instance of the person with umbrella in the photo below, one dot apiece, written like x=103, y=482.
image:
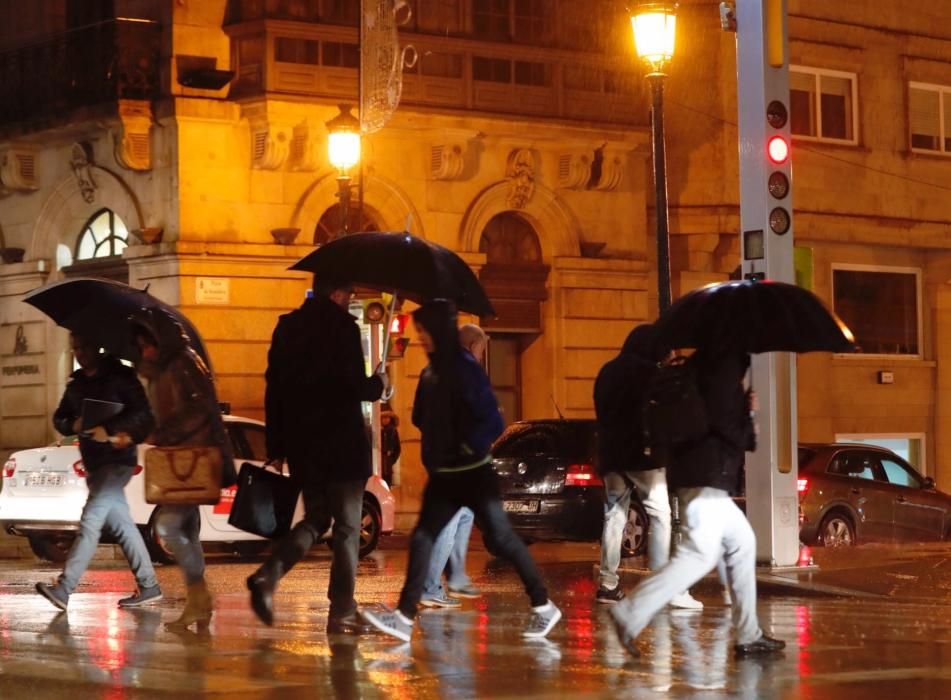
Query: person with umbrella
x=108, y=450
x=459, y=419
x=315, y=382
x=185, y=404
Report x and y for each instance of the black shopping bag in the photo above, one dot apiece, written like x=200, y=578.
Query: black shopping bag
x=264, y=503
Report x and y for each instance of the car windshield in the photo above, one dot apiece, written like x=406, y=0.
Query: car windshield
x=574, y=441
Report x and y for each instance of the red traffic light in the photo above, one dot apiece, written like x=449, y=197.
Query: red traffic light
x=778, y=150
x=398, y=324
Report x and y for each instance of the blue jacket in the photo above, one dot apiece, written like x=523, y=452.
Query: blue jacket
x=458, y=415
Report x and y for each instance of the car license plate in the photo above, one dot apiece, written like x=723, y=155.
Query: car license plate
x=520, y=506
x=44, y=480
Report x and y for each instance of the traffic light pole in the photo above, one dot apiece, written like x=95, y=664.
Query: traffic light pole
x=656, y=81
x=772, y=503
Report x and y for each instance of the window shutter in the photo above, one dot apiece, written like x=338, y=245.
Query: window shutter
x=923, y=118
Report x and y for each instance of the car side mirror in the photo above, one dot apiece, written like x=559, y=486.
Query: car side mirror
x=929, y=483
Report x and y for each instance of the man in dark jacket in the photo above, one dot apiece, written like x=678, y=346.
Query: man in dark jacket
x=316, y=381
x=703, y=471
x=619, y=399
x=458, y=418
x=109, y=457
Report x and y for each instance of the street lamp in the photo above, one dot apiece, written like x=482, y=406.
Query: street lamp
x=653, y=24
x=343, y=151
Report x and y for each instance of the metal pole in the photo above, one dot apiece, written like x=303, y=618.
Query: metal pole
x=656, y=81
x=343, y=182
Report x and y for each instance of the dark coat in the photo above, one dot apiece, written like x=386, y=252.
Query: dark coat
x=717, y=459
x=115, y=382
x=457, y=414
x=315, y=382
x=182, y=392
x=619, y=397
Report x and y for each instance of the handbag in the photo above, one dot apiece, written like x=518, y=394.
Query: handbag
x=264, y=503
x=183, y=475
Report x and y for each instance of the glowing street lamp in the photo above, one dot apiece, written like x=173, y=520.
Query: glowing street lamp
x=343, y=151
x=654, y=24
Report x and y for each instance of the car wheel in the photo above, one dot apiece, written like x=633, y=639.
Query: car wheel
x=53, y=548
x=836, y=530
x=250, y=548
x=634, y=537
x=371, y=525
x=158, y=549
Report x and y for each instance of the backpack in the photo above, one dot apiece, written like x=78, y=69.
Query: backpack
x=674, y=410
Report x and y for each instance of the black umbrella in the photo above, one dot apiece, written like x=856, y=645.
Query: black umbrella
x=99, y=310
x=400, y=263
x=763, y=316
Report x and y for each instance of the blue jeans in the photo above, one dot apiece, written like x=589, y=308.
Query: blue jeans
x=450, y=548
x=179, y=526
x=106, y=506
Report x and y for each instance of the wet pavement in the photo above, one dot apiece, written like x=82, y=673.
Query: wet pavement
x=871, y=622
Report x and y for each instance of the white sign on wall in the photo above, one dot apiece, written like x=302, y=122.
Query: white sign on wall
x=212, y=290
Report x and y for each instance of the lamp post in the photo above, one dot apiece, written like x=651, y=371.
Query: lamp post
x=653, y=24
x=343, y=151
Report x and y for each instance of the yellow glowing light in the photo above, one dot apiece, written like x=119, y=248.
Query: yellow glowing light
x=343, y=142
x=654, y=26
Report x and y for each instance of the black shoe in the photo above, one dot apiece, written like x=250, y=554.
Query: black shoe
x=54, y=594
x=348, y=624
x=763, y=645
x=609, y=596
x=262, y=598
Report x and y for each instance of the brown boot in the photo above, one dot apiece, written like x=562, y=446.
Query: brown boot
x=198, y=607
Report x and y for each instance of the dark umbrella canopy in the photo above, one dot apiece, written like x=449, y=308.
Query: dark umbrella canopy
x=99, y=310
x=763, y=316
x=402, y=263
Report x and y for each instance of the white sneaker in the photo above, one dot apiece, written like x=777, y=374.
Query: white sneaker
x=544, y=618
x=391, y=622
x=685, y=601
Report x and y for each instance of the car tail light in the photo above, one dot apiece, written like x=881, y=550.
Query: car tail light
x=137, y=470
x=802, y=486
x=582, y=475
x=9, y=467
x=79, y=468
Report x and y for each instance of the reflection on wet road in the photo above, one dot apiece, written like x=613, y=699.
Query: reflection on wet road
x=838, y=647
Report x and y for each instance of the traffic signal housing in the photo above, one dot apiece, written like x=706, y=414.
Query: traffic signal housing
x=398, y=341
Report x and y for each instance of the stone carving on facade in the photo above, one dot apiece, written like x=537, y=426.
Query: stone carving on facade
x=574, y=169
x=133, y=139
x=270, y=139
x=447, y=160
x=305, y=140
x=81, y=162
x=18, y=170
x=521, y=175
x=612, y=169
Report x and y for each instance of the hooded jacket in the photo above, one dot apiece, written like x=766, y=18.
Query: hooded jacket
x=115, y=382
x=455, y=408
x=181, y=391
x=315, y=382
x=619, y=398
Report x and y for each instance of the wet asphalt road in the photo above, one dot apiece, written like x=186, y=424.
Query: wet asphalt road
x=839, y=646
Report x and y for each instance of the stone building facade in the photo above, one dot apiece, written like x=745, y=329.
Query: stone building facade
x=521, y=142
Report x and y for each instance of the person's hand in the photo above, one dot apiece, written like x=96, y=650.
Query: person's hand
x=275, y=463
x=752, y=401
x=121, y=440
x=98, y=434
x=388, y=389
x=77, y=425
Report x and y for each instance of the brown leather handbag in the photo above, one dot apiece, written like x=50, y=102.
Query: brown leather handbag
x=183, y=475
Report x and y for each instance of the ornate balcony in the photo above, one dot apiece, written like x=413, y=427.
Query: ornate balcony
x=44, y=84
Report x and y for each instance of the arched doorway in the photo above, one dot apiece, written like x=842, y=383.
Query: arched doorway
x=330, y=223
x=98, y=249
x=514, y=277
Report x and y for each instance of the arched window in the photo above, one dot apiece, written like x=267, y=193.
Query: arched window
x=509, y=239
x=329, y=225
x=103, y=236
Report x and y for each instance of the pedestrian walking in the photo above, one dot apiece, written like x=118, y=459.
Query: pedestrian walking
x=182, y=395
x=389, y=441
x=626, y=466
x=109, y=457
x=452, y=545
x=315, y=382
x=703, y=471
x=459, y=418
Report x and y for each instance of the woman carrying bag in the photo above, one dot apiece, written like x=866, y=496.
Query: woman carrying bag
x=191, y=460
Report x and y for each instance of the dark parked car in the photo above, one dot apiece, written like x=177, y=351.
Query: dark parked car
x=861, y=493
x=550, y=489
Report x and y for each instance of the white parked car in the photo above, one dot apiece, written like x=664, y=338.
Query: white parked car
x=44, y=490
